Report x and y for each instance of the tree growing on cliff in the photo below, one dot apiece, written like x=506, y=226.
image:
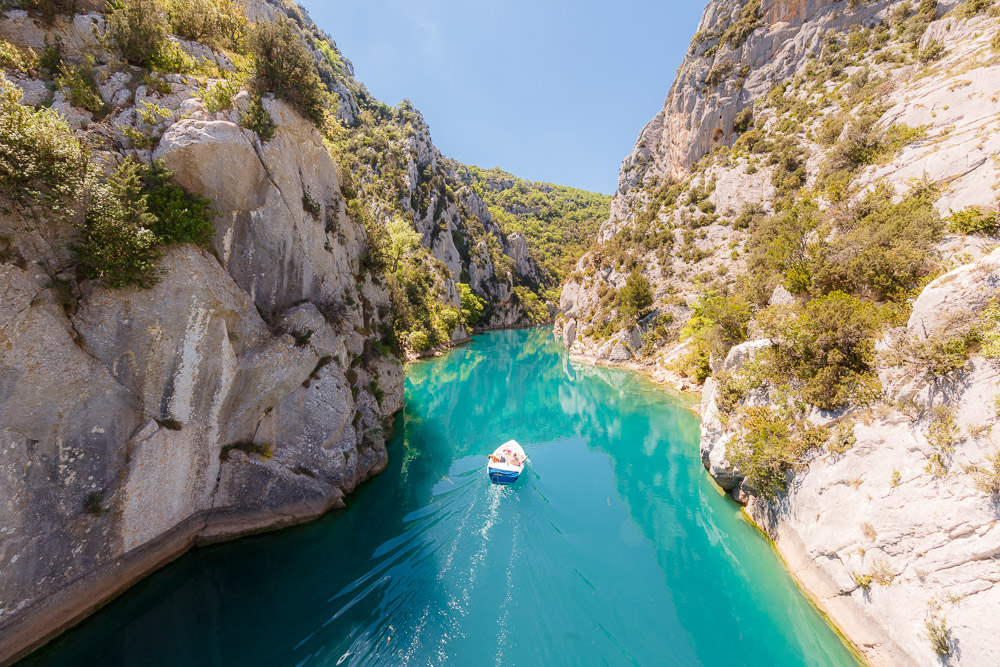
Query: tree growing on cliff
x=282, y=65
x=403, y=239
x=826, y=347
x=118, y=245
x=472, y=305
x=42, y=163
x=636, y=296
x=218, y=23
x=137, y=29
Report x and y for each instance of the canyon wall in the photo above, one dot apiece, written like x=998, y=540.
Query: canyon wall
x=790, y=127
x=252, y=386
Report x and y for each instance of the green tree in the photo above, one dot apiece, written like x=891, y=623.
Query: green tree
x=117, y=244
x=403, y=239
x=283, y=65
x=472, y=305
x=138, y=29
x=42, y=163
x=637, y=294
x=827, y=346
x=214, y=22
x=719, y=321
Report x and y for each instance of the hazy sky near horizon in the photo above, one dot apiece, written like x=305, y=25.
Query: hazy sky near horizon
x=550, y=90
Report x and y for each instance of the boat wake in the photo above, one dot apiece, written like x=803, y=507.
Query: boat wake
x=426, y=588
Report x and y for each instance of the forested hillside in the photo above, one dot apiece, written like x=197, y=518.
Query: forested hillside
x=560, y=222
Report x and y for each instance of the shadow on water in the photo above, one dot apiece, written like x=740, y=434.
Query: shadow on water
x=613, y=548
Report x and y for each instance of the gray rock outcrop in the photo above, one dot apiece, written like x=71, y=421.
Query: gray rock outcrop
x=242, y=392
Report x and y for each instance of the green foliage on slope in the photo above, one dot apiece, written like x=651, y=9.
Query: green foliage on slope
x=559, y=222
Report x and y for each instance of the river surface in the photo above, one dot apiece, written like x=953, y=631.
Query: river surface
x=613, y=548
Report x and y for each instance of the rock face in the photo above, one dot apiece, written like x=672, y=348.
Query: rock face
x=895, y=532
x=950, y=100
x=927, y=543
x=242, y=392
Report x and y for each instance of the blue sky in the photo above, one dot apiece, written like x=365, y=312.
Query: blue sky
x=550, y=90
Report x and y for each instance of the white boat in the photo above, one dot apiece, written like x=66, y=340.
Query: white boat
x=506, y=463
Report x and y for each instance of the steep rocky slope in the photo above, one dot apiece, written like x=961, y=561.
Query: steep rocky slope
x=209, y=346
x=809, y=225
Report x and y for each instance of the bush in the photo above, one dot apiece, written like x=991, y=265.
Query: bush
x=827, y=347
x=939, y=635
x=181, y=217
x=831, y=128
x=419, y=341
x=970, y=8
x=49, y=9
x=973, y=220
x=768, y=445
x=927, y=11
x=283, y=65
x=743, y=25
x=218, y=23
x=403, y=239
x=933, y=51
x=987, y=475
x=989, y=330
x=743, y=120
x=719, y=321
x=257, y=118
x=13, y=58
x=79, y=84
x=118, y=245
x=219, y=95
x=472, y=305
x=636, y=296
x=137, y=29
x=42, y=163
x=942, y=435
x=750, y=214
x=883, y=250
x=534, y=308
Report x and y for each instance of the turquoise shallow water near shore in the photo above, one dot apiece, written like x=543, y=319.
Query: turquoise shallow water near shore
x=613, y=548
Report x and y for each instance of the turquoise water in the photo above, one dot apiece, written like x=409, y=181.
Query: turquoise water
x=613, y=547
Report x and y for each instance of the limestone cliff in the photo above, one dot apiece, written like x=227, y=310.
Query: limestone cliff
x=248, y=381
x=813, y=216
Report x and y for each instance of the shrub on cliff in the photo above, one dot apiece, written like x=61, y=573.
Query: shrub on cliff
x=636, y=296
x=927, y=11
x=472, y=305
x=768, y=445
x=42, y=163
x=118, y=245
x=970, y=8
x=218, y=23
x=974, y=220
x=49, y=9
x=282, y=65
x=743, y=25
x=79, y=84
x=825, y=348
x=137, y=29
x=720, y=321
x=14, y=59
x=181, y=217
x=883, y=249
x=534, y=308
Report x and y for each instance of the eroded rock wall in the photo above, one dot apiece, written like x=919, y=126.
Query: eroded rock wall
x=243, y=392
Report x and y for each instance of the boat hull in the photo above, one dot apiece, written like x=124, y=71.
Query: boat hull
x=499, y=476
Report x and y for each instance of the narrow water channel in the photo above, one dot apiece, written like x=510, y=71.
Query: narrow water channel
x=613, y=548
